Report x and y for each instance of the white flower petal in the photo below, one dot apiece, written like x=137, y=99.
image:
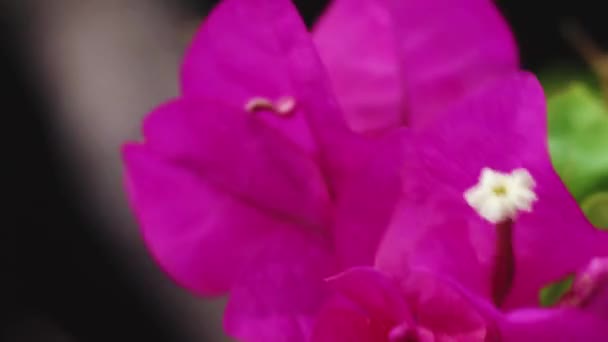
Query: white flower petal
x=498, y=196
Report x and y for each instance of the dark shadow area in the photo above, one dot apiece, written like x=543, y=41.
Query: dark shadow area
x=58, y=281
x=538, y=27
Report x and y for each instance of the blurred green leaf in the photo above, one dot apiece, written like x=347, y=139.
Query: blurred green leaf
x=578, y=143
x=578, y=139
x=552, y=293
x=558, y=78
x=596, y=209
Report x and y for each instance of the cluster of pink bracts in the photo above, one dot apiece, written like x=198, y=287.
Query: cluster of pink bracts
x=326, y=182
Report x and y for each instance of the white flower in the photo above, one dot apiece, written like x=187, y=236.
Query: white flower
x=498, y=197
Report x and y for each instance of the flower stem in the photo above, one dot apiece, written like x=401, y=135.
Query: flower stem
x=504, y=263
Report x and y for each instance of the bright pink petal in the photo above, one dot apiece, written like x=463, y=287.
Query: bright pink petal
x=418, y=302
x=206, y=203
x=419, y=237
x=533, y=325
x=199, y=234
x=589, y=290
x=239, y=154
x=554, y=325
x=598, y=304
x=367, y=202
x=404, y=61
x=357, y=43
x=502, y=127
x=277, y=297
x=378, y=295
x=261, y=48
x=342, y=320
x=442, y=309
x=212, y=175
x=449, y=49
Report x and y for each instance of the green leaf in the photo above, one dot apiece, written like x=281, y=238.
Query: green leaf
x=552, y=293
x=578, y=139
x=558, y=78
x=596, y=209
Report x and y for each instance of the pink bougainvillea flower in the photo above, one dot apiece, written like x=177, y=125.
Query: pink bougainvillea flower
x=396, y=62
x=251, y=183
x=466, y=262
x=237, y=182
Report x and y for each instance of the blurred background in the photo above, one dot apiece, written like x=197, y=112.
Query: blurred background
x=77, y=77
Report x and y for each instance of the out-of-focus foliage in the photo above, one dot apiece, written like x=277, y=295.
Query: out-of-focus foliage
x=578, y=139
x=578, y=126
x=552, y=293
x=557, y=79
x=596, y=208
x=578, y=143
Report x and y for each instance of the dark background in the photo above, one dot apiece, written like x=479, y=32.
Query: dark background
x=58, y=282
